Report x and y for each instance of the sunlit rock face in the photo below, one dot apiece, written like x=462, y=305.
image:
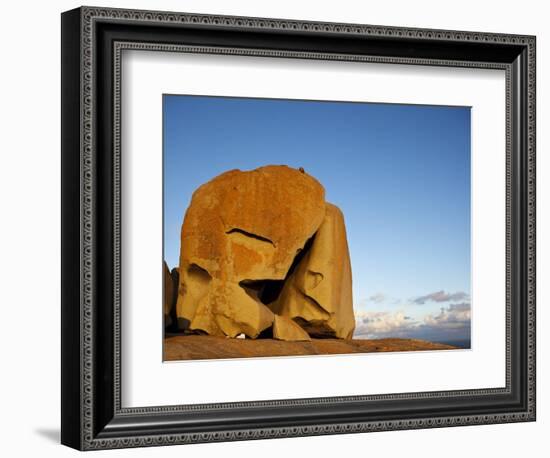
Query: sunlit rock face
x=287, y=329
x=245, y=240
x=318, y=293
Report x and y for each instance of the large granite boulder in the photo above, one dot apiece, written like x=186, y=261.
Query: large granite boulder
x=239, y=238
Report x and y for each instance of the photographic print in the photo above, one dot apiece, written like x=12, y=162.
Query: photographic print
x=303, y=227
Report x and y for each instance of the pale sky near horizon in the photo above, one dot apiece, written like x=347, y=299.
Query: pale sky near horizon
x=399, y=173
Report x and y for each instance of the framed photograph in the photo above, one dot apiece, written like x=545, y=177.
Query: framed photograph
x=276, y=228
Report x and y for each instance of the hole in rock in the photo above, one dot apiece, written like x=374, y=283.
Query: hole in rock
x=267, y=291
x=198, y=274
x=317, y=329
x=266, y=334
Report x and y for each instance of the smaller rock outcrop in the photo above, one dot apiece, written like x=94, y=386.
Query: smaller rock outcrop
x=170, y=293
x=286, y=329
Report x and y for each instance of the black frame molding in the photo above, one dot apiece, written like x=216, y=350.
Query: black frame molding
x=93, y=40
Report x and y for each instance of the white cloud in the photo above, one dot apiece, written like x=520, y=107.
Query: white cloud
x=372, y=324
x=377, y=298
x=441, y=296
x=451, y=323
x=453, y=316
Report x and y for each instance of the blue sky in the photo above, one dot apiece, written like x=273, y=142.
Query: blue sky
x=399, y=173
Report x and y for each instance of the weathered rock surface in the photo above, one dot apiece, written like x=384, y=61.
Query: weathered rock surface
x=193, y=347
x=318, y=294
x=170, y=283
x=240, y=230
x=286, y=329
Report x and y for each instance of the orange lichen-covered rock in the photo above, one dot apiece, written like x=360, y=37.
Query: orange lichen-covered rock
x=318, y=293
x=241, y=228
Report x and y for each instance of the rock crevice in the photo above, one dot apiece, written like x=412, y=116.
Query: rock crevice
x=236, y=230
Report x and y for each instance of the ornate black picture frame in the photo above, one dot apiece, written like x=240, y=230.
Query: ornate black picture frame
x=92, y=415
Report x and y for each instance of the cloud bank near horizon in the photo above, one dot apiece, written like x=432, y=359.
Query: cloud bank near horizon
x=452, y=322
